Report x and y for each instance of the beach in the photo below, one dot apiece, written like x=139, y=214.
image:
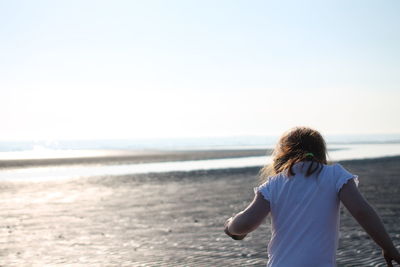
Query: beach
x=166, y=219
x=118, y=157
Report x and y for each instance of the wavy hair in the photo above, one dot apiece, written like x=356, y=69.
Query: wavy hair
x=297, y=144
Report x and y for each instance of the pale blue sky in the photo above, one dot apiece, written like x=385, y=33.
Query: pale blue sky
x=128, y=69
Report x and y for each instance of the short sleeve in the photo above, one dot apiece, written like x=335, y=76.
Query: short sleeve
x=343, y=176
x=265, y=190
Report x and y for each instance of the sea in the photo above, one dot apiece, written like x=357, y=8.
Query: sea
x=340, y=147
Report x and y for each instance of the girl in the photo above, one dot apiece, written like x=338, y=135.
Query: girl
x=303, y=194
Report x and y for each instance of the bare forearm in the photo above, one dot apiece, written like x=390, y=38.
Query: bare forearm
x=240, y=224
x=249, y=219
x=233, y=235
x=374, y=227
x=369, y=220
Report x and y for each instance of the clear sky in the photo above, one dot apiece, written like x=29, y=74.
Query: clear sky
x=128, y=69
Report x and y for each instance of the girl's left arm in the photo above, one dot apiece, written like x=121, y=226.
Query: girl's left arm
x=249, y=219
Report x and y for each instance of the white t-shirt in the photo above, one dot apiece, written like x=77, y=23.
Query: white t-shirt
x=305, y=216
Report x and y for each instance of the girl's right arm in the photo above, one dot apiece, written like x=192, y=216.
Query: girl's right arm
x=369, y=220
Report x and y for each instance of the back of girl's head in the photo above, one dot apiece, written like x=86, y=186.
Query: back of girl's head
x=297, y=144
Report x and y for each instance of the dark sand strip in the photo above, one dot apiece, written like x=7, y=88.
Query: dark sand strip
x=127, y=157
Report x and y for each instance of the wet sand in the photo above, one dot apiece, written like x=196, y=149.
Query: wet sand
x=115, y=157
x=172, y=219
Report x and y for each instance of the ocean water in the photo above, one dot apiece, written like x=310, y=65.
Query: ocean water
x=201, y=143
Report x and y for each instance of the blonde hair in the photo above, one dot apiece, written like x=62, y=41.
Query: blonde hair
x=297, y=144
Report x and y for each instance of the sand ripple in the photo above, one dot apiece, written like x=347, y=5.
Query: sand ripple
x=165, y=220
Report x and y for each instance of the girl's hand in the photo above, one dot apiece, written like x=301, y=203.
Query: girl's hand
x=391, y=256
x=235, y=237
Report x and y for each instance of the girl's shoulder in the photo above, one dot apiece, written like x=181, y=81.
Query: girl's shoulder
x=340, y=175
x=275, y=179
x=277, y=176
x=336, y=169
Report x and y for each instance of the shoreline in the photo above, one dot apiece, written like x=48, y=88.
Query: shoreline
x=251, y=169
x=135, y=157
x=120, y=157
x=143, y=157
x=150, y=172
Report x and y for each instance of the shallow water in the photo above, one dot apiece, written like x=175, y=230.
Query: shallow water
x=337, y=153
